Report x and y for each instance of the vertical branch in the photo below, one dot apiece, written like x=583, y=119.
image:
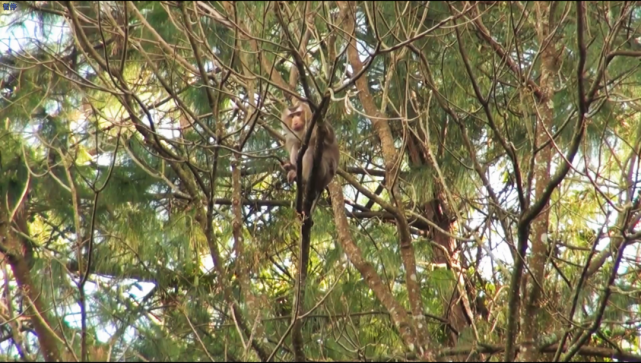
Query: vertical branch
x=298, y=59
x=531, y=213
x=242, y=265
x=199, y=61
x=304, y=206
x=82, y=299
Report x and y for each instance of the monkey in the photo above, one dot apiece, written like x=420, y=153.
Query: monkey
x=298, y=119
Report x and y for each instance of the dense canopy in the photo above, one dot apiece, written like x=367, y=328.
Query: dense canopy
x=486, y=206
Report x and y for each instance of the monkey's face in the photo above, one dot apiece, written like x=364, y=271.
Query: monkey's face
x=297, y=117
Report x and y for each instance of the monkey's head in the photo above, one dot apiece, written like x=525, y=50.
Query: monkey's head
x=297, y=118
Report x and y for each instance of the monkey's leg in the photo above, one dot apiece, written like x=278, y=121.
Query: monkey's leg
x=308, y=164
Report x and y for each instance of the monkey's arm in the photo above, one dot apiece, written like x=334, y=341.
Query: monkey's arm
x=293, y=154
x=292, y=145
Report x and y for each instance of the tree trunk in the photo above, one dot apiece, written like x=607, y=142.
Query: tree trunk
x=435, y=211
x=17, y=251
x=537, y=260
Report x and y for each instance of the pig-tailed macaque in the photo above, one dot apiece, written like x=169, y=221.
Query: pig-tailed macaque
x=298, y=118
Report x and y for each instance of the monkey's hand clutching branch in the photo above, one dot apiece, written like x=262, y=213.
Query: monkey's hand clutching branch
x=290, y=169
x=320, y=155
